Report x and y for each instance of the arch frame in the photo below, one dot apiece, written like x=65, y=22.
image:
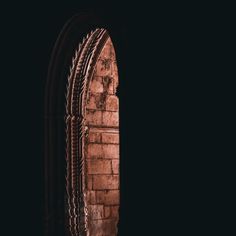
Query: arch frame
x=55, y=146
x=79, y=79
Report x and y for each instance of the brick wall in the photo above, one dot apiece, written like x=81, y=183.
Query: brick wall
x=102, y=146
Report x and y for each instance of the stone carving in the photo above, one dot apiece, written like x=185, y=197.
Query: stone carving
x=77, y=90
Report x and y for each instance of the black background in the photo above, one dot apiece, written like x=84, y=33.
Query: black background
x=165, y=124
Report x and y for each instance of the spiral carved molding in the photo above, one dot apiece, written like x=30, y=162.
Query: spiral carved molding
x=79, y=78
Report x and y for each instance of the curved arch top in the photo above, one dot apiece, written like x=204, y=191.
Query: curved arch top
x=82, y=69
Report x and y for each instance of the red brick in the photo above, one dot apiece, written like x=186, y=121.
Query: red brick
x=96, y=211
x=110, y=138
x=108, y=197
x=89, y=182
x=94, y=137
x=91, y=103
x=95, y=150
x=96, y=85
x=104, y=227
x=112, y=103
x=110, y=118
x=102, y=67
x=115, y=166
x=91, y=197
x=115, y=77
x=94, y=117
x=105, y=182
x=114, y=69
x=106, y=211
x=108, y=84
x=108, y=50
x=110, y=151
x=114, y=211
x=97, y=101
x=99, y=166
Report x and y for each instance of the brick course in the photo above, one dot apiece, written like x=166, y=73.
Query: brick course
x=105, y=197
x=105, y=182
x=99, y=166
x=110, y=118
x=115, y=166
x=94, y=137
x=110, y=138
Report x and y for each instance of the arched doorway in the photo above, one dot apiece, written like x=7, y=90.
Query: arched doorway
x=82, y=137
x=92, y=128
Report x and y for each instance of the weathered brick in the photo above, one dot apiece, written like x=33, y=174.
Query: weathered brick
x=114, y=69
x=110, y=138
x=110, y=151
x=97, y=101
x=115, y=77
x=108, y=197
x=105, y=182
x=106, y=211
x=94, y=117
x=95, y=150
x=108, y=84
x=91, y=197
x=94, y=137
x=96, y=85
x=96, y=212
x=114, y=211
x=89, y=182
x=112, y=103
x=104, y=227
x=115, y=166
x=99, y=166
x=108, y=50
x=103, y=66
x=110, y=118
x=91, y=103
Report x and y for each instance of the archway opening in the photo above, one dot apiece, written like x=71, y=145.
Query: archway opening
x=92, y=130
x=102, y=145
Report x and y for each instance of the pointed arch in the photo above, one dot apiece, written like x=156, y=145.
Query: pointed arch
x=70, y=75
x=78, y=86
